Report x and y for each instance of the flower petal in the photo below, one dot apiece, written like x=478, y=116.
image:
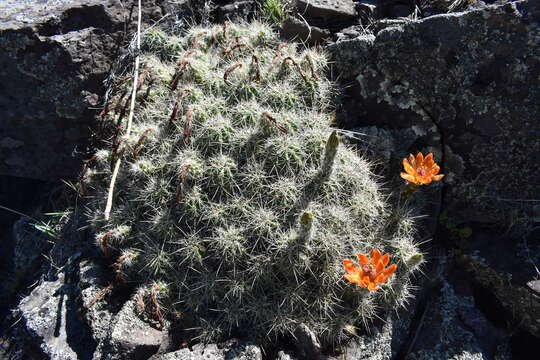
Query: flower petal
x=412, y=160
x=419, y=160
x=373, y=287
x=408, y=177
x=438, y=177
x=349, y=266
x=434, y=169
x=381, y=278
x=379, y=268
x=385, y=259
x=390, y=270
x=375, y=257
x=362, y=259
x=428, y=161
x=408, y=168
x=353, y=278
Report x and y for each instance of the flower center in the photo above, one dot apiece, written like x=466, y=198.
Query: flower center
x=369, y=270
x=421, y=172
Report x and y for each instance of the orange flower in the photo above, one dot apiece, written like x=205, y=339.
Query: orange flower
x=420, y=170
x=370, y=273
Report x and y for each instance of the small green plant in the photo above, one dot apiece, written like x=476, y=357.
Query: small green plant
x=241, y=202
x=275, y=11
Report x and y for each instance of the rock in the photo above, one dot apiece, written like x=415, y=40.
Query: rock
x=238, y=10
x=100, y=315
x=306, y=342
x=516, y=304
x=54, y=57
x=297, y=30
x=131, y=338
x=452, y=328
x=534, y=286
x=29, y=244
x=349, y=53
x=401, y=10
x=231, y=350
x=463, y=80
x=282, y=355
x=329, y=11
x=50, y=317
x=368, y=10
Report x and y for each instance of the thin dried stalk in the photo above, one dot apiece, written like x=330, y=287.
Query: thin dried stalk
x=187, y=126
x=108, y=207
x=181, y=181
x=298, y=68
x=273, y=120
x=228, y=71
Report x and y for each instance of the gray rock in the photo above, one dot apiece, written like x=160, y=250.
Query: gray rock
x=331, y=10
x=306, y=342
x=452, y=328
x=514, y=303
x=376, y=346
x=97, y=314
x=401, y=10
x=238, y=10
x=231, y=350
x=30, y=244
x=468, y=77
x=50, y=317
x=297, y=30
x=54, y=56
x=131, y=338
x=282, y=355
x=368, y=10
x=534, y=286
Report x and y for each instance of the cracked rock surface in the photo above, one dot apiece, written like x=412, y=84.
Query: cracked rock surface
x=54, y=56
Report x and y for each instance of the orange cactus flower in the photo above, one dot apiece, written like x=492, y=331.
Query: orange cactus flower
x=421, y=170
x=371, y=272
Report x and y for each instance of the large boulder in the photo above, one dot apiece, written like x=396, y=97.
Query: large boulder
x=54, y=56
x=467, y=84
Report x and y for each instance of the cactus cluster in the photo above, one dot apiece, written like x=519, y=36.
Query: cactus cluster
x=236, y=197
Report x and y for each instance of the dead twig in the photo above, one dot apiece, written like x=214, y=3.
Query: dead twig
x=273, y=120
x=136, y=148
x=110, y=193
x=157, y=315
x=298, y=68
x=278, y=53
x=184, y=170
x=312, y=67
x=255, y=65
x=187, y=126
x=228, y=71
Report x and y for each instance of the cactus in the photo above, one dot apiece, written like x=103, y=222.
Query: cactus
x=236, y=195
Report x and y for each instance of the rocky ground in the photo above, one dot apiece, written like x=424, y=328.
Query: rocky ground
x=458, y=78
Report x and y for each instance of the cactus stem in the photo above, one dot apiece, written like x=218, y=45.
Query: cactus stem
x=330, y=152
